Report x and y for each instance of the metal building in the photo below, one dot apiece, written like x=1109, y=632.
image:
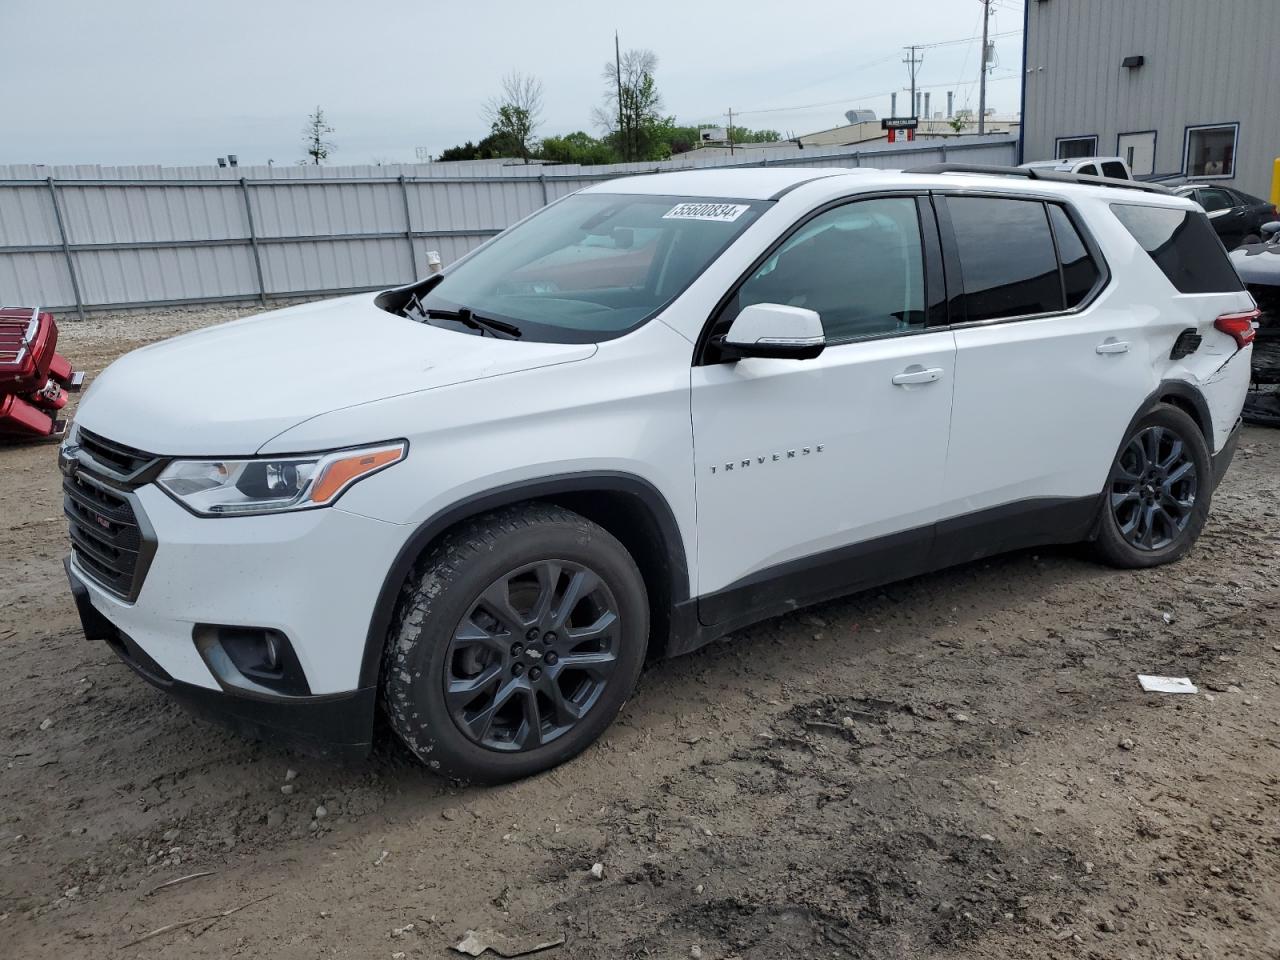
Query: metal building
x=1176, y=87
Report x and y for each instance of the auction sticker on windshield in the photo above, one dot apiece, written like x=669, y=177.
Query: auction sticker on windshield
x=724, y=212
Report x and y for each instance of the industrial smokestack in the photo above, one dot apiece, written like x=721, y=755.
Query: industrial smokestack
x=951, y=102
x=893, y=104
x=927, y=114
x=919, y=101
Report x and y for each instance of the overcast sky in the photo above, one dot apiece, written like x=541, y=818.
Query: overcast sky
x=182, y=82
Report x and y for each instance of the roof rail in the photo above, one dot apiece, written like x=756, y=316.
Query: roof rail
x=1035, y=173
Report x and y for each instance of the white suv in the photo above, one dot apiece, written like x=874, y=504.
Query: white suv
x=654, y=412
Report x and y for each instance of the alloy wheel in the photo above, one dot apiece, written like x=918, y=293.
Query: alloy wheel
x=1153, y=488
x=532, y=655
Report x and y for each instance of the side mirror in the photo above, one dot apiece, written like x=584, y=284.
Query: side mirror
x=774, y=330
x=1270, y=230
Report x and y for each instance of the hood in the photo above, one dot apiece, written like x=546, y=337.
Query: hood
x=227, y=390
x=1258, y=263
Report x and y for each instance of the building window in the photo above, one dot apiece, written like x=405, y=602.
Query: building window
x=1211, y=151
x=1068, y=148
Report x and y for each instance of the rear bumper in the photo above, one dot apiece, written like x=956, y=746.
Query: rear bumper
x=333, y=725
x=1222, y=459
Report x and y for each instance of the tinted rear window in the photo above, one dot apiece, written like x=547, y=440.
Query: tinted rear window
x=1006, y=256
x=1079, y=273
x=1183, y=245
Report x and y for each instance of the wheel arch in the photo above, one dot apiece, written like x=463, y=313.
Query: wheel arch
x=1184, y=396
x=629, y=507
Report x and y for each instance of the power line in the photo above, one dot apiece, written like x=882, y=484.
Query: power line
x=950, y=43
x=882, y=60
x=963, y=82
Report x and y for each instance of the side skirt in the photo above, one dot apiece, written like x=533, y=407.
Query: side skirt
x=863, y=566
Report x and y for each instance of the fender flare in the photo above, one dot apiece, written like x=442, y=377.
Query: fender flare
x=541, y=488
x=1183, y=391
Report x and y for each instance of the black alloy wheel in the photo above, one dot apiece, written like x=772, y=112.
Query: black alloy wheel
x=1158, y=491
x=533, y=654
x=1153, y=488
x=517, y=638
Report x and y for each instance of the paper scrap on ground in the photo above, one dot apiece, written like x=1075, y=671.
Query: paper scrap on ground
x=1167, y=684
x=477, y=942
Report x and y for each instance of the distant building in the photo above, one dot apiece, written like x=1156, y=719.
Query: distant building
x=860, y=116
x=1178, y=88
x=869, y=131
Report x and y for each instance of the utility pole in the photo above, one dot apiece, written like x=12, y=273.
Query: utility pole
x=731, y=131
x=982, y=80
x=912, y=62
x=617, y=75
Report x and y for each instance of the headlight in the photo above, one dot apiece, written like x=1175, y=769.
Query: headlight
x=221, y=488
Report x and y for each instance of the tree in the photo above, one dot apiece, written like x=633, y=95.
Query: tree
x=577, y=147
x=631, y=112
x=313, y=137
x=747, y=135
x=514, y=114
x=492, y=147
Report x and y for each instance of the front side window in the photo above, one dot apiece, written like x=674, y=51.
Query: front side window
x=859, y=266
x=1183, y=245
x=1213, y=200
x=1115, y=169
x=1211, y=151
x=592, y=266
x=1069, y=148
x=1006, y=256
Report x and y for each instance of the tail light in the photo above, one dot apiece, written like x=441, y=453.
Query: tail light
x=1238, y=326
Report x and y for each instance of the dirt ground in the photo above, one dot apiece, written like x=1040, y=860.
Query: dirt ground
x=958, y=765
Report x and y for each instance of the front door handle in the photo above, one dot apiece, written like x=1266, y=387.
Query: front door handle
x=1113, y=346
x=917, y=375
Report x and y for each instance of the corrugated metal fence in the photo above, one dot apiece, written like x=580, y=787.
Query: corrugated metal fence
x=94, y=238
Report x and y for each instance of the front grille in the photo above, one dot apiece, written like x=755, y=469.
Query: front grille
x=122, y=459
x=110, y=538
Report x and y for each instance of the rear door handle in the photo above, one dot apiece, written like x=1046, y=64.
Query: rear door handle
x=1113, y=346
x=918, y=375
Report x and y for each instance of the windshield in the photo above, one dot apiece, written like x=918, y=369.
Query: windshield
x=592, y=266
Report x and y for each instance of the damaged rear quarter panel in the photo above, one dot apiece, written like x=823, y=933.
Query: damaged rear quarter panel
x=1224, y=391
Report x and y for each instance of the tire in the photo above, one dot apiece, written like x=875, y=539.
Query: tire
x=511, y=612
x=1158, y=492
x=1251, y=238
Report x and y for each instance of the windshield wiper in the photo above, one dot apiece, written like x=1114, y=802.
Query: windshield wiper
x=475, y=321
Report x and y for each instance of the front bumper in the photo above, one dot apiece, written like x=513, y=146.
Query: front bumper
x=338, y=725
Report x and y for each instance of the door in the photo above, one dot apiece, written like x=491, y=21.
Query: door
x=1047, y=378
x=1138, y=150
x=817, y=476
x=1229, y=218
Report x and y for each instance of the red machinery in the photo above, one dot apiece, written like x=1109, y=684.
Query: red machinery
x=34, y=378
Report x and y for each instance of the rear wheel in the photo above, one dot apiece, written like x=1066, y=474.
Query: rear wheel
x=516, y=642
x=1158, y=492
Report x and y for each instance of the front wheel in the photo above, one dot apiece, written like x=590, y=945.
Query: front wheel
x=1158, y=492
x=516, y=641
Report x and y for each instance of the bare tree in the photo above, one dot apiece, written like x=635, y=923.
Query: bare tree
x=513, y=116
x=313, y=137
x=632, y=103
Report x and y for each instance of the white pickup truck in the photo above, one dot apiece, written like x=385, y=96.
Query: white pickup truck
x=1111, y=167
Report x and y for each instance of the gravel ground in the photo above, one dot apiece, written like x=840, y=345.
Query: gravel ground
x=959, y=765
